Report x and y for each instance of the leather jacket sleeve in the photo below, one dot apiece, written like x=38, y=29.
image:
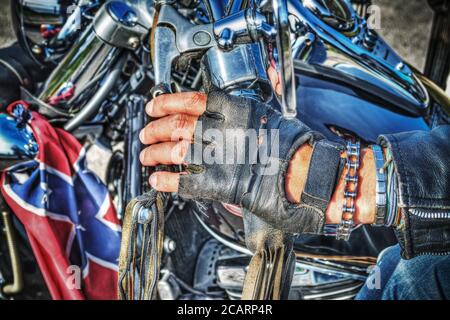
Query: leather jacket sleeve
x=422, y=164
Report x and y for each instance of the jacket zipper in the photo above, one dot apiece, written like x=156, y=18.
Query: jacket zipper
x=430, y=214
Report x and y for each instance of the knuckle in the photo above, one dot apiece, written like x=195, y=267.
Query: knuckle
x=181, y=121
x=193, y=103
x=182, y=150
x=176, y=154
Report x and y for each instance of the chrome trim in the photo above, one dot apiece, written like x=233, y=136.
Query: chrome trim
x=331, y=272
x=145, y=9
x=87, y=61
x=95, y=102
x=225, y=242
x=216, y=9
x=117, y=24
x=363, y=55
x=324, y=295
x=286, y=63
x=51, y=7
x=246, y=251
x=122, y=13
x=241, y=68
x=338, y=14
x=17, y=143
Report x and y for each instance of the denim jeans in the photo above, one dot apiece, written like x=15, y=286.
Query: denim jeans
x=422, y=278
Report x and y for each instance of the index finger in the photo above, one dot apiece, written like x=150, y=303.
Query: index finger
x=190, y=103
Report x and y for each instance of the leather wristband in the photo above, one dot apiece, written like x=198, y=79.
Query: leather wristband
x=324, y=170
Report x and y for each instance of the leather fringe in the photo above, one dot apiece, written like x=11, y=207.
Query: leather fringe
x=141, y=247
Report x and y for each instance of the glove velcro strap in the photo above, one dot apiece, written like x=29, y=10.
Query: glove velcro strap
x=323, y=173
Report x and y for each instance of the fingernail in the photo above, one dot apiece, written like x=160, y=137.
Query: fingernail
x=153, y=180
x=141, y=136
x=150, y=107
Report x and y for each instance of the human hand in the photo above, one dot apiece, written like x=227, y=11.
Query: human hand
x=255, y=176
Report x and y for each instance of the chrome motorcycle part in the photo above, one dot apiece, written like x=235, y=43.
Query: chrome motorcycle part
x=122, y=13
x=307, y=284
x=439, y=95
x=169, y=245
x=100, y=95
x=115, y=182
x=239, y=70
x=74, y=21
x=17, y=285
x=234, y=6
x=205, y=276
x=216, y=9
x=168, y=288
x=135, y=115
x=173, y=36
x=144, y=9
x=220, y=267
x=79, y=72
x=184, y=31
x=117, y=24
x=302, y=44
x=17, y=143
x=163, y=55
x=36, y=12
x=338, y=14
x=362, y=55
x=47, y=29
x=245, y=26
x=285, y=59
x=183, y=37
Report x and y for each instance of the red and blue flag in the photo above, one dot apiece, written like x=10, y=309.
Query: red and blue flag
x=68, y=216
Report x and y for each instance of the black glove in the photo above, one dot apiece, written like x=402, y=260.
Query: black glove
x=257, y=182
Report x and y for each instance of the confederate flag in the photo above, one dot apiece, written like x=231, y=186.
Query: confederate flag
x=68, y=216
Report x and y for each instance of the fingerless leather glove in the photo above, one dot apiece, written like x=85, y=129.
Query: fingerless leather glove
x=255, y=177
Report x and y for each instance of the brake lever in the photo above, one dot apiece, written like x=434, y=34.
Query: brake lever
x=168, y=45
x=173, y=35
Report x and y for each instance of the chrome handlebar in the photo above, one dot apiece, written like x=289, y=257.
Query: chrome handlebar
x=235, y=36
